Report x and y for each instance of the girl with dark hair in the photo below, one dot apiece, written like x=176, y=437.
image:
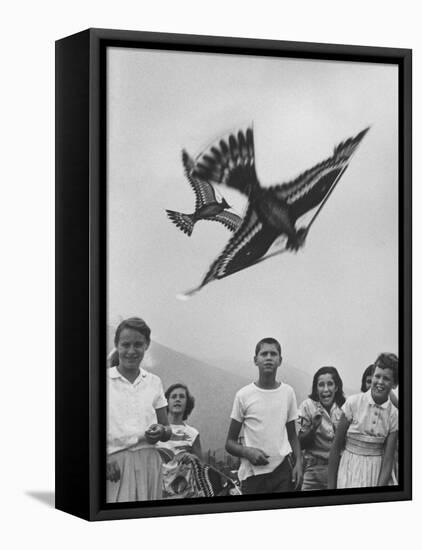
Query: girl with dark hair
x=184, y=438
x=367, y=378
x=318, y=419
x=181, y=451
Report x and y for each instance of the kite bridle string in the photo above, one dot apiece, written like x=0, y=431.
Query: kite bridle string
x=277, y=252
x=326, y=197
x=193, y=291
x=310, y=223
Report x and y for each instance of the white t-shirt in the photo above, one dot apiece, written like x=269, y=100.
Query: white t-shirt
x=264, y=415
x=131, y=408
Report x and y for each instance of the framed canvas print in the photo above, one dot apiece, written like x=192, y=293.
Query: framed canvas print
x=233, y=274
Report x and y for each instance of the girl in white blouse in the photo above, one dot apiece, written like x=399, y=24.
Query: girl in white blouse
x=368, y=433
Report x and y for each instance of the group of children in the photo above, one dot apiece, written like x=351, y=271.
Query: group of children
x=329, y=442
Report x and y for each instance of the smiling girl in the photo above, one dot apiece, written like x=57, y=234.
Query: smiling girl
x=368, y=433
x=136, y=419
x=318, y=419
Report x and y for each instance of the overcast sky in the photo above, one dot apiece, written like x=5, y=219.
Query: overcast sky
x=335, y=301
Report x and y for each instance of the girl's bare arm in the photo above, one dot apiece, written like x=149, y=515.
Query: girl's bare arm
x=338, y=444
x=388, y=459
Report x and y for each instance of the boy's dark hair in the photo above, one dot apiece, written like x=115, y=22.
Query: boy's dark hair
x=268, y=340
x=339, y=397
x=369, y=371
x=134, y=323
x=190, y=400
x=389, y=361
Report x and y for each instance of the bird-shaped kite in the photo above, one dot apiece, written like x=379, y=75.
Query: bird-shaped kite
x=206, y=205
x=271, y=212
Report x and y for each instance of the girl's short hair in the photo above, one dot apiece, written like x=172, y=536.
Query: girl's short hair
x=389, y=361
x=268, y=340
x=369, y=371
x=134, y=323
x=190, y=400
x=339, y=397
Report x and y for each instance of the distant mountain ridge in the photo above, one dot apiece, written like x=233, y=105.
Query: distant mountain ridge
x=300, y=381
x=213, y=387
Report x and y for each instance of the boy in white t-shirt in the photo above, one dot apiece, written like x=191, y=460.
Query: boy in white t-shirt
x=263, y=415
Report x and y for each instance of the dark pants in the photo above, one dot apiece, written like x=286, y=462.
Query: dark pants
x=278, y=481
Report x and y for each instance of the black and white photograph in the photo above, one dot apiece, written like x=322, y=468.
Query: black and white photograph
x=258, y=354
x=210, y=280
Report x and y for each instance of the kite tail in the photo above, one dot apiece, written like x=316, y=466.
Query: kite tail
x=184, y=222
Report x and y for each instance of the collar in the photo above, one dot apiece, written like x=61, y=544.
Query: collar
x=255, y=385
x=370, y=400
x=114, y=373
x=333, y=408
x=323, y=410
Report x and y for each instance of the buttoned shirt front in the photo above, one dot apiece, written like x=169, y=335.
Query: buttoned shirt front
x=131, y=408
x=324, y=434
x=368, y=418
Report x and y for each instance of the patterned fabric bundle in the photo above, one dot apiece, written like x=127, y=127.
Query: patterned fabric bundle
x=185, y=476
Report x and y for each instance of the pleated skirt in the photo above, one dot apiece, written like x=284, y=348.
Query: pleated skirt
x=358, y=470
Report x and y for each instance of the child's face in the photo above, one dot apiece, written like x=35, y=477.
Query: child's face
x=177, y=401
x=326, y=388
x=268, y=359
x=382, y=384
x=368, y=382
x=131, y=348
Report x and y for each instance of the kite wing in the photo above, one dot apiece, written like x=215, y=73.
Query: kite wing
x=231, y=162
x=250, y=242
x=228, y=219
x=204, y=191
x=254, y=237
x=310, y=188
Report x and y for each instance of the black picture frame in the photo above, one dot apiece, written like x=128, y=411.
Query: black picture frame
x=81, y=275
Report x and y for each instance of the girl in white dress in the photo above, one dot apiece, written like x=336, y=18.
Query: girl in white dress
x=367, y=432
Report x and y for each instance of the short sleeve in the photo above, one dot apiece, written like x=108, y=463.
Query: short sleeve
x=160, y=400
x=305, y=416
x=195, y=434
x=394, y=421
x=192, y=432
x=292, y=411
x=237, y=410
x=348, y=408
